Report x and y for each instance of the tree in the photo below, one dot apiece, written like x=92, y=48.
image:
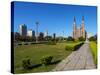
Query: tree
x=16, y=36
x=70, y=38
x=95, y=36
x=81, y=39
x=92, y=38
x=48, y=38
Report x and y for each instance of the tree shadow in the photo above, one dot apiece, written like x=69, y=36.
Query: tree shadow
x=34, y=66
x=38, y=65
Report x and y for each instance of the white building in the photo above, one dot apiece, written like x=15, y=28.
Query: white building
x=31, y=33
x=46, y=33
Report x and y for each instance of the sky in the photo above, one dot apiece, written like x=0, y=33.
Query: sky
x=56, y=18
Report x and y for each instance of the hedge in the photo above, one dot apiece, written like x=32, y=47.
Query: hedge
x=46, y=60
x=69, y=47
x=78, y=46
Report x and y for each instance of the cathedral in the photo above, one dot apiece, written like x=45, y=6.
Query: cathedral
x=79, y=31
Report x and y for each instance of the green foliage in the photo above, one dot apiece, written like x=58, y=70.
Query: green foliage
x=93, y=46
x=35, y=53
x=48, y=38
x=46, y=60
x=70, y=38
x=81, y=39
x=25, y=43
x=92, y=38
x=20, y=44
x=26, y=63
x=69, y=47
x=74, y=47
x=22, y=38
x=78, y=46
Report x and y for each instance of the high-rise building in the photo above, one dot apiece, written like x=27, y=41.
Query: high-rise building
x=54, y=35
x=79, y=31
x=31, y=33
x=41, y=36
x=46, y=33
x=23, y=30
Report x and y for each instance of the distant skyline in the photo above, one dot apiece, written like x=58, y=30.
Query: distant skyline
x=55, y=18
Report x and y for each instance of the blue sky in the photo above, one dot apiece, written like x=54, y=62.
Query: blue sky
x=55, y=18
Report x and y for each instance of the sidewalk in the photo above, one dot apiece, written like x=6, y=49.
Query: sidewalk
x=80, y=59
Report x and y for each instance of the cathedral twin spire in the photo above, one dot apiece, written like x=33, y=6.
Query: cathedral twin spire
x=78, y=32
x=75, y=20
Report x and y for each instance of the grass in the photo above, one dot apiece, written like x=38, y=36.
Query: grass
x=93, y=46
x=35, y=53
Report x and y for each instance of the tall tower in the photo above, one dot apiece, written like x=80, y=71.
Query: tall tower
x=83, y=27
x=74, y=29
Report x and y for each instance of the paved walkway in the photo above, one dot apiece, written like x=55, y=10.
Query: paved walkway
x=80, y=59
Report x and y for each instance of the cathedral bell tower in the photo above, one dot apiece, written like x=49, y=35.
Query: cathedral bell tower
x=83, y=28
x=74, y=29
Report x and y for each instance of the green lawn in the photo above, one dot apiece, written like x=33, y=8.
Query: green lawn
x=93, y=46
x=35, y=53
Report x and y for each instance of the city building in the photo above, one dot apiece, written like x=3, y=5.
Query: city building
x=16, y=36
x=31, y=33
x=23, y=30
x=46, y=33
x=41, y=36
x=79, y=31
x=54, y=35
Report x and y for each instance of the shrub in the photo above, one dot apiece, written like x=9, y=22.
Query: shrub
x=25, y=43
x=81, y=39
x=70, y=38
x=46, y=60
x=33, y=43
x=26, y=63
x=19, y=44
x=78, y=46
x=92, y=38
x=69, y=48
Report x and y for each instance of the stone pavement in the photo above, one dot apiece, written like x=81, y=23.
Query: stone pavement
x=77, y=60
